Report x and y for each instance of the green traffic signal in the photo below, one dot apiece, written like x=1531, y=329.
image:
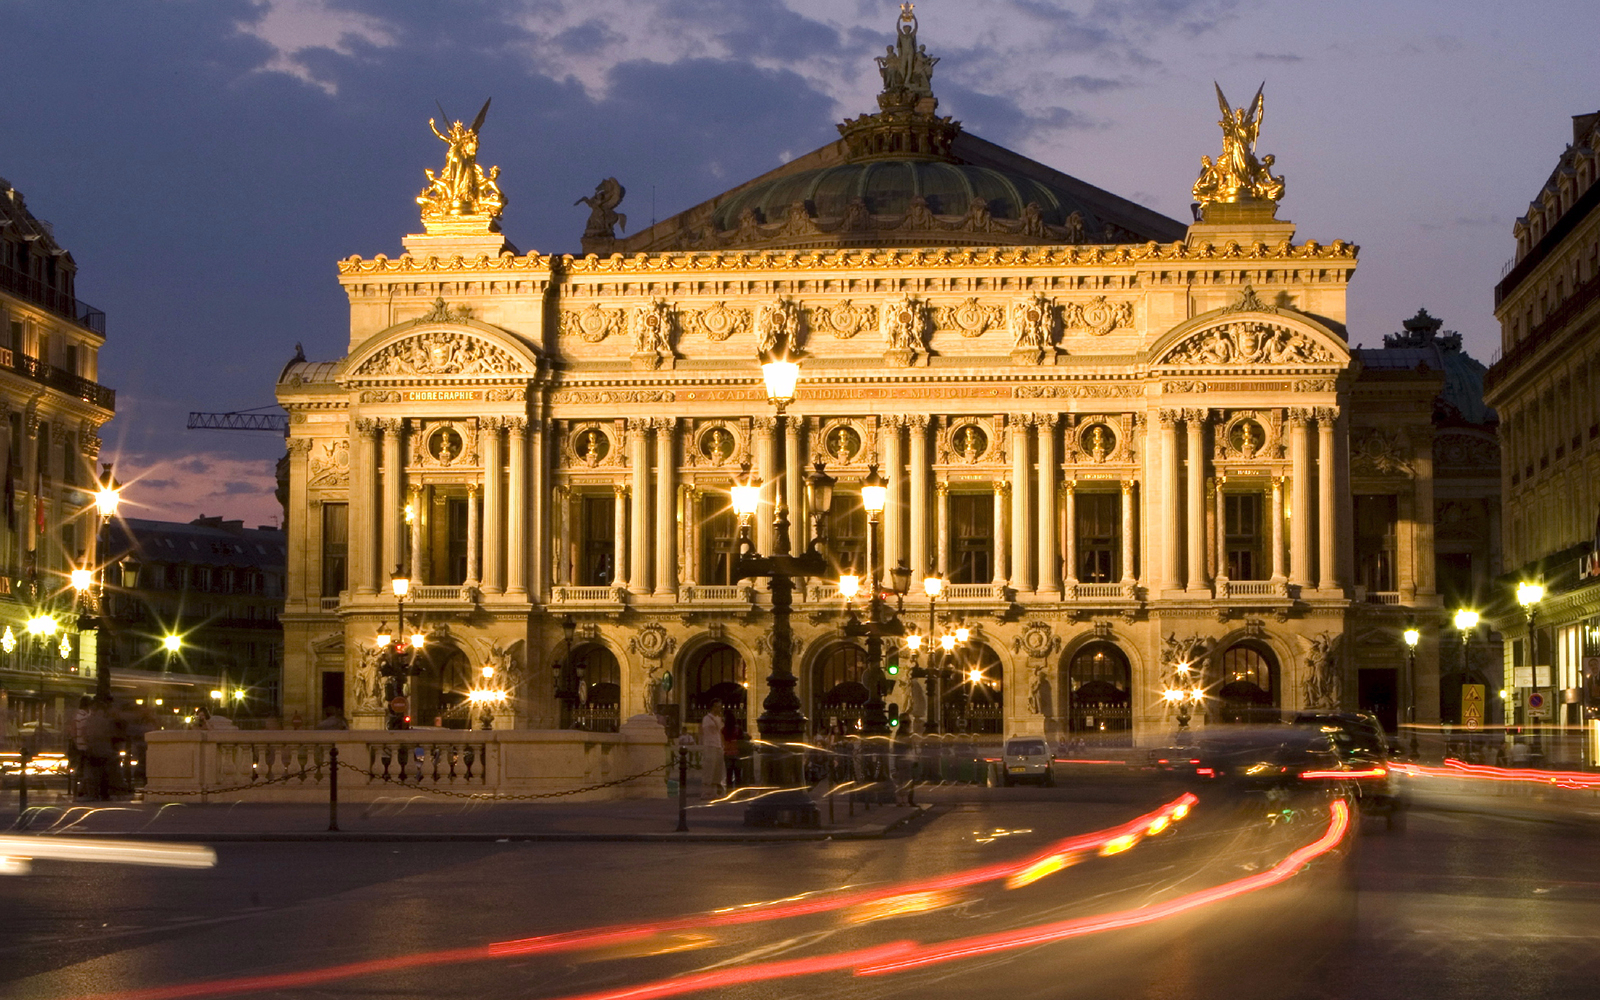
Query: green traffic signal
x=894, y=669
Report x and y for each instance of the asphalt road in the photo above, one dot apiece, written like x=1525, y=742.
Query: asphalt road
x=1461, y=905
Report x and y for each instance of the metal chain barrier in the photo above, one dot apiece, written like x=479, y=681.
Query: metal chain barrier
x=499, y=796
x=264, y=782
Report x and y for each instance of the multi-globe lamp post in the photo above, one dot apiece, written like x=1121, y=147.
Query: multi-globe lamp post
x=400, y=656
x=781, y=724
x=1183, y=693
x=1529, y=594
x=90, y=586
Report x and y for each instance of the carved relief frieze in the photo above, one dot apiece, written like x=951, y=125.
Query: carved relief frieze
x=844, y=319
x=1098, y=315
x=777, y=323
x=716, y=321
x=441, y=353
x=1465, y=450
x=1078, y=390
x=969, y=318
x=1033, y=328
x=905, y=330
x=652, y=327
x=592, y=324
x=1378, y=452
x=613, y=396
x=330, y=463
x=1248, y=343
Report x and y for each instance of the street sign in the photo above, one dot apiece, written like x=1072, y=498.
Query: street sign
x=397, y=705
x=1472, y=706
x=1522, y=677
x=1541, y=675
x=1536, y=706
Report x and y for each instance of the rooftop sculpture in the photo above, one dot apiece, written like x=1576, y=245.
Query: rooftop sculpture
x=1237, y=176
x=461, y=188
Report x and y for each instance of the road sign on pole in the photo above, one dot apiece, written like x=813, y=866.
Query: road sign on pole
x=1536, y=706
x=1472, y=706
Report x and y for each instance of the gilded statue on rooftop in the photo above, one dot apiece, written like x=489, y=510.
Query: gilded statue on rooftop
x=1237, y=175
x=461, y=187
x=905, y=65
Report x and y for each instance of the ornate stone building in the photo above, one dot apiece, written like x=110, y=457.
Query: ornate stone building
x=1125, y=443
x=51, y=412
x=1546, y=386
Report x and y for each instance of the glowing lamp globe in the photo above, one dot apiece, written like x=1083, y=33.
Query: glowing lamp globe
x=849, y=586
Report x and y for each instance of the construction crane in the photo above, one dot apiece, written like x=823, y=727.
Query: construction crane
x=240, y=420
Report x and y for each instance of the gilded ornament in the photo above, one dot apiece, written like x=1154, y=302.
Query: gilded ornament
x=718, y=322
x=1033, y=324
x=844, y=320
x=777, y=323
x=591, y=324
x=1237, y=176
x=652, y=329
x=461, y=187
x=971, y=318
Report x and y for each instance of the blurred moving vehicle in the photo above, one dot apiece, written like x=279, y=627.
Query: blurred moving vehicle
x=1252, y=758
x=1027, y=759
x=1365, y=751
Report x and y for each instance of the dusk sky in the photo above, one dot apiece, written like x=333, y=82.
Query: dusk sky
x=207, y=163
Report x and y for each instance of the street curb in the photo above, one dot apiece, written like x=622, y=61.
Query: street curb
x=871, y=831
x=1575, y=820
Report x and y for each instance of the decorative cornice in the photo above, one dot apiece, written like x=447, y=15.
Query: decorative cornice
x=857, y=259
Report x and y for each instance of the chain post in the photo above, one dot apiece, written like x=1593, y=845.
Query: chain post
x=683, y=789
x=333, y=788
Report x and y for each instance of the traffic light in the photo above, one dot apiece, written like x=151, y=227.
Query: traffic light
x=894, y=715
x=894, y=670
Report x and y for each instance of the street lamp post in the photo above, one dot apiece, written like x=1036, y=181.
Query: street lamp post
x=91, y=585
x=1529, y=595
x=1465, y=622
x=781, y=723
x=400, y=661
x=1412, y=636
x=566, y=679
x=874, y=497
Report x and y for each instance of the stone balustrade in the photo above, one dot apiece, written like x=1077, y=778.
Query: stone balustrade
x=294, y=766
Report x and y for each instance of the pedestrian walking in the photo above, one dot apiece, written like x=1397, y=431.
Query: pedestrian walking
x=99, y=749
x=713, y=773
x=731, y=737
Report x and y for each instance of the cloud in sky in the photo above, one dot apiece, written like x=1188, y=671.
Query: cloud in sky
x=210, y=483
x=208, y=162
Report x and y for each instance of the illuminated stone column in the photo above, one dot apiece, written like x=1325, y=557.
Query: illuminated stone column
x=1049, y=557
x=666, y=533
x=1069, y=533
x=918, y=474
x=393, y=480
x=1021, y=571
x=1170, y=580
x=302, y=553
x=538, y=513
x=766, y=429
x=942, y=491
x=1277, y=530
x=417, y=512
x=1327, y=508
x=363, y=489
x=494, y=555
x=517, y=506
x=619, y=533
x=1195, y=528
x=1300, y=499
x=1129, y=577
x=1002, y=494
x=639, y=519
x=473, y=513
x=794, y=487
x=564, y=572
x=894, y=474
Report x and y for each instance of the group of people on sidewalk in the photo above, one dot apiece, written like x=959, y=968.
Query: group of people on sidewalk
x=722, y=751
x=105, y=748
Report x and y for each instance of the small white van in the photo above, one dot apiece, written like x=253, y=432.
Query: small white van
x=1027, y=758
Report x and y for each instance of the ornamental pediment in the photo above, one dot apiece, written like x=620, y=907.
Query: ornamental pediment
x=441, y=352
x=1248, y=342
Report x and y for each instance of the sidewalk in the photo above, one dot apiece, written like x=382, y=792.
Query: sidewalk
x=418, y=818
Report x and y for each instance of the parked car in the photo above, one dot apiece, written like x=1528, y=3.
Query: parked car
x=1027, y=758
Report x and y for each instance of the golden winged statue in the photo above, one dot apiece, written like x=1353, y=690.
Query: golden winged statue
x=461, y=187
x=1237, y=175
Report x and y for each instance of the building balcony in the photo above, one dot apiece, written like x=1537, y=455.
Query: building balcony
x=608, y=594
x=58, y=378
x=697, y=593
x=25, y=286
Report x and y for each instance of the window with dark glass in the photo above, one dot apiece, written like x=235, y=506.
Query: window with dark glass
x=971, y=537
x=458, y=511
x=335, y=547
x=1099, y=531
x=1454, y=572
x=1376, y=517
x=1242, y=535
x=598, y=554
x=719, y=537
x=847, y=531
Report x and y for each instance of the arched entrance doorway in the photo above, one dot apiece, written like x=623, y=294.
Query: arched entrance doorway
x=1099, y=691
x=598, y=702
x=438, y=695
x=1249, y=684
x=716, y=673
x=973, y=699
x=837, y=695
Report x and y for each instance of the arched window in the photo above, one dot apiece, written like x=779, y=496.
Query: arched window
x=1248, y=691
x=715, y=673
x=837, y=694
x=599, y=707
x=1098, y=684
